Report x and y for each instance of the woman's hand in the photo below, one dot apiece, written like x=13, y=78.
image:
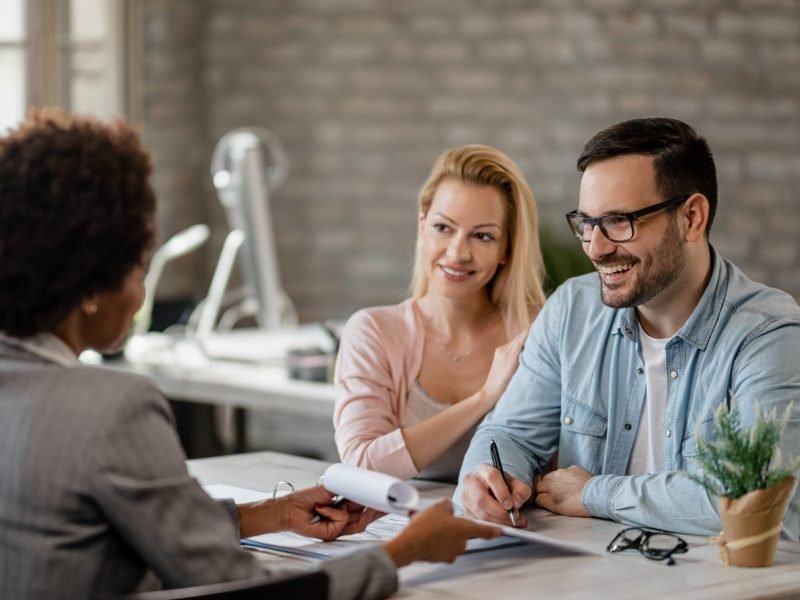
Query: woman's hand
x=296, y=511
x=504, y=364
x=301, y=507
x=436, y=535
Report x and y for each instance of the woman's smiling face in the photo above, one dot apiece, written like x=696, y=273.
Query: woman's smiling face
x=464, y=238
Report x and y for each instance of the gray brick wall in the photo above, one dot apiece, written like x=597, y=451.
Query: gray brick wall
x=174, y=130
x=366, y=93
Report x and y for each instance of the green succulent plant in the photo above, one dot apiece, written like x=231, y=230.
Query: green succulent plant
x=740, y=461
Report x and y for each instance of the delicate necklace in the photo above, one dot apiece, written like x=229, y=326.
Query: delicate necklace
x=453, y=357
x=459, y=357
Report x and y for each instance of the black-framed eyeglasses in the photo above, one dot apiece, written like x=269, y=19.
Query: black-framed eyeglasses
x=617, y=227
x=652, y=543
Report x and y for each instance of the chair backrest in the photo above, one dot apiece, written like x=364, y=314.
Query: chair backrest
x=309, y=586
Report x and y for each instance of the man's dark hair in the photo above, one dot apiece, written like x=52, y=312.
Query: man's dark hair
x=76, y=215
x=683, y=161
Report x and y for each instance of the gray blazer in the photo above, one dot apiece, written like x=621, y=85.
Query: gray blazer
x=94, y=493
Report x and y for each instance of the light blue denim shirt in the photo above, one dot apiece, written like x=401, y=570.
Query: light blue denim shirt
x=580, y=388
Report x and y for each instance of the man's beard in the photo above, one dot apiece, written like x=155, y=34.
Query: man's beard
x=657, y=272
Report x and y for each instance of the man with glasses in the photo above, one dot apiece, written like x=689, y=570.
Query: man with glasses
x=623, y=369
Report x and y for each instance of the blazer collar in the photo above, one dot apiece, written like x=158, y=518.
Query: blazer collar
x=47, y=346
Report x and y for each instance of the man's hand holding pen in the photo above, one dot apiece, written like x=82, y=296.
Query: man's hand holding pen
x=498, y=464
x=489, y=497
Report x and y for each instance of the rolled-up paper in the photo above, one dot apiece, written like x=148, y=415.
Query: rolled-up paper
x=369, y=488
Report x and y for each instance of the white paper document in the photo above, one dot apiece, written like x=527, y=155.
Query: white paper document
x=532, y=537
x=376, y=532
x=379, y=491
x=392, y=495
x=369, y=488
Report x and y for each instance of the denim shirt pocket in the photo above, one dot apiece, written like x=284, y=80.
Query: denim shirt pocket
x=583, y=429
x=705, y=430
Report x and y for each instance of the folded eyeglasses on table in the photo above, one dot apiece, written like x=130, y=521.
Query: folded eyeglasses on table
x=651, y=543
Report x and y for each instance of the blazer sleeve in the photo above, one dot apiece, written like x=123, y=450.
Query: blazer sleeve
x=368, y=397
x=138, y=476
x=141, y=482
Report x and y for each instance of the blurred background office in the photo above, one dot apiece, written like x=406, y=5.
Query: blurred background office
x=364, y=94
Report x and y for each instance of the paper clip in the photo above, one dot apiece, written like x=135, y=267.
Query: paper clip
x=278, y=485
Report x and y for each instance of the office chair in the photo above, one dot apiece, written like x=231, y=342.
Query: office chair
x=309, y=586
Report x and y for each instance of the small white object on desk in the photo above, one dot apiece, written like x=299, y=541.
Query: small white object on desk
x=240, y=495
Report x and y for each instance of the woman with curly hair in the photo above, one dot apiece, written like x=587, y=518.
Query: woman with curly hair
x=94, y=491
x=414, y=379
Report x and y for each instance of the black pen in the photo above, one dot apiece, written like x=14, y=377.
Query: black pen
x=337, y=503
x=499, y=466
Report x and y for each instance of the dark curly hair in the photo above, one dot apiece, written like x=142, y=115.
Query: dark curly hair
x=76, y=215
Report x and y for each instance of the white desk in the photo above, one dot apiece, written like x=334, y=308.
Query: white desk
x=182, y=372
x=698, y=574
x=237, y=385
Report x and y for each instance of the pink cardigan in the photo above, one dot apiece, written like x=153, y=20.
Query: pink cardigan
x=380, y=357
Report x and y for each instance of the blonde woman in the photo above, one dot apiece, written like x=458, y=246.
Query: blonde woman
x=413, y=380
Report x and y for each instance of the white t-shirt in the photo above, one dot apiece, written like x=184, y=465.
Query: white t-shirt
x=648, y=449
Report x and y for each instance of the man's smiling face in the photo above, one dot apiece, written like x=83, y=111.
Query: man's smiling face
x=634, y=272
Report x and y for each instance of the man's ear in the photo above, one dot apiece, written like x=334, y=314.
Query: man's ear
x=695, y=215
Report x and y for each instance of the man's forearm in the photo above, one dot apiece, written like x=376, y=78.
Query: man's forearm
x=669, y=501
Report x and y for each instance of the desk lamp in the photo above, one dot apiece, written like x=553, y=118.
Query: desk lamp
x=180, y=244
x=247, y=167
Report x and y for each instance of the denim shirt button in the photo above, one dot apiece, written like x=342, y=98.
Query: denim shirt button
x=640, y=370
x=567, y=420
x=669, y=432
x=673, y=374
x=628, y=426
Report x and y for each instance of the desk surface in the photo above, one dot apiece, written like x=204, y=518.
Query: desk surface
x=698, y=574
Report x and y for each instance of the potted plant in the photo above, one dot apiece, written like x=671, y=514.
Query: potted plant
x=743, y=469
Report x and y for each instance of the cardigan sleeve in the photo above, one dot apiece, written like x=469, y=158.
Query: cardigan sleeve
x=369, y=393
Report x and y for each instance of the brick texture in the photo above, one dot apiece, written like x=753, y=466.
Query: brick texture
x=366, y=93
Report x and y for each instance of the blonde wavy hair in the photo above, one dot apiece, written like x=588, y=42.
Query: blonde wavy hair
x=516, y=288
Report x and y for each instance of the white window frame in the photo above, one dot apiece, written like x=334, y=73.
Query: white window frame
x=20, y=44
x=49, y=52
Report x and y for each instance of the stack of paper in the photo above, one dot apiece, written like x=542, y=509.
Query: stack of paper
x=379, y=491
